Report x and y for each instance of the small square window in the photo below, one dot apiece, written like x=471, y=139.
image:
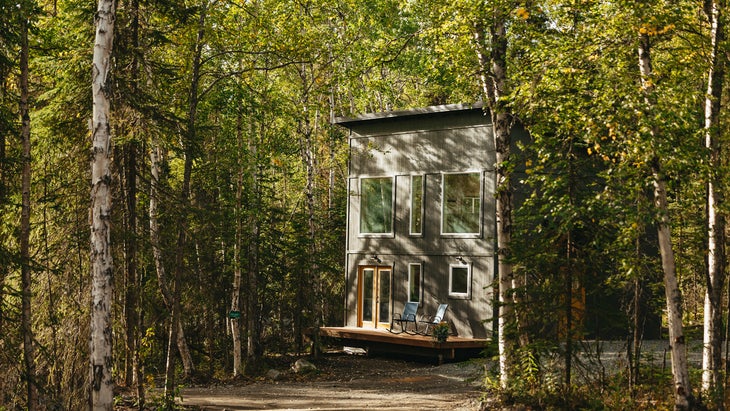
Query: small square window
x=460, y=281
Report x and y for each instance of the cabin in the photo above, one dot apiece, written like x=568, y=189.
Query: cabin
x=421, y=217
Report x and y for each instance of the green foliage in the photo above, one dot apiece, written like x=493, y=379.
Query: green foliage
x=538, y=385
x=272, y=75
x=440, y=331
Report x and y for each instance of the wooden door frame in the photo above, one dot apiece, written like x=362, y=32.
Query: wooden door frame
x=377, y=269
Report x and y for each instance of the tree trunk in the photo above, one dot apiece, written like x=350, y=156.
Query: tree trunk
x=26, y=275
x=155, y=157
x=168, y=296
x=235, y=322
x=682, y=389
x=188, y=144
x=680, y=369
x=131, y=296
x=133, y=373
x=492, y=58
x=712, y=386
x=569, y=277
x=253, y=324
x=172, y=297
x=637, y=324
x=101, y=361
x=308, y=160
x=179, y=334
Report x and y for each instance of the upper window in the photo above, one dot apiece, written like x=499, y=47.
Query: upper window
x=415, y=282
x=416, y=205
x=376, y=205
x=462, y=203
x=460, y=281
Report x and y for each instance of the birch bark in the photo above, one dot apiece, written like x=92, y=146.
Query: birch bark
x=493, y=62
x=101, y=361
x=712, y=386
x=682, y=389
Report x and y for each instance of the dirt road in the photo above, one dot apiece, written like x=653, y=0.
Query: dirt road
x=350, y=382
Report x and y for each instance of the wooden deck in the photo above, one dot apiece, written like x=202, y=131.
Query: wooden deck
x=379, y=341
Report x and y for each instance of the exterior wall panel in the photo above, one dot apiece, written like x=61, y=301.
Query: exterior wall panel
x=445, y=150
x=428, y=143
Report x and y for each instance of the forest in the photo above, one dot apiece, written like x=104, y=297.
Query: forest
x=173, y=188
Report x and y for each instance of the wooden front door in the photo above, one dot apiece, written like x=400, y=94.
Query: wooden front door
x=373, y=308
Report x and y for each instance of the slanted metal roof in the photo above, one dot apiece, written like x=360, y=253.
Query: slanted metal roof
x=423, y=111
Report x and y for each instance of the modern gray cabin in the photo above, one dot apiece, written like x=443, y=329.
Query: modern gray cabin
x=421, y=216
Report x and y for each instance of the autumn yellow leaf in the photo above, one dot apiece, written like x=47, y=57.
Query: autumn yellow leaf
x=522, y=13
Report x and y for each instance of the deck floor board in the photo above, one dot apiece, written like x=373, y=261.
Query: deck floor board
x=380, y=340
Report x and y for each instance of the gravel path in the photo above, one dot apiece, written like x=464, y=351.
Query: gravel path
x=350, y=382
x=355, y=382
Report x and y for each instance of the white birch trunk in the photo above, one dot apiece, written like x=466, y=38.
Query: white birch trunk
x=712, y=385
x=102, y=383
x=680, y=367
x=494, y=84
x=680, y=370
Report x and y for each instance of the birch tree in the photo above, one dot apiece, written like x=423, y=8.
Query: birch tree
x=680, y=370
x=102, y=269
x=492, y=52
x=474, y=34
x=712, y=386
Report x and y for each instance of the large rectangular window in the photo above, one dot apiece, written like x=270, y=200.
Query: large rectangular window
x=376, y=205
x=462, y=203
x=416, y=205
x=460, y=281
x=415, y=282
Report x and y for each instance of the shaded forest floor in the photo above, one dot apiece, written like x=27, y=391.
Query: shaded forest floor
x=349, y=382
x=345, y=381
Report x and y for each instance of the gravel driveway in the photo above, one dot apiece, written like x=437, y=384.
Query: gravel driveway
x=351, y=382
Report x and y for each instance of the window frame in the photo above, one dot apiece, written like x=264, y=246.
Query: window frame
x=390, y=233
x=460, y=295
x=421, y=209
x=480, y=219
x=420, y=282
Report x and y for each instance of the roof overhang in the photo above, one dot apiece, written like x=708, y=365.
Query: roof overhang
x=350, y=122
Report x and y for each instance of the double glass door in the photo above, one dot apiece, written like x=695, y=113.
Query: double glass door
x=374, y=297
